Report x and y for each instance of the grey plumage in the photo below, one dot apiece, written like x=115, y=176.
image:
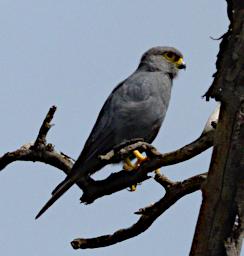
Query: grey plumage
x=134, y=109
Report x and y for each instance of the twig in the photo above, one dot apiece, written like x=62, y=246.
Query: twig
x=148, y=215
x=29, y=153
x=164, y=181
x=45, y=127
x=39, y=150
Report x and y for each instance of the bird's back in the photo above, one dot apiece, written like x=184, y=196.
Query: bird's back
x=135, y=109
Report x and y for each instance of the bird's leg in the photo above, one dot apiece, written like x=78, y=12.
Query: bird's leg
x=140, y=158
x=157, y=171
x=129, y=166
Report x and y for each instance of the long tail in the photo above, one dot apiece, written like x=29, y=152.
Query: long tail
x=59, y=186
x=57, y=193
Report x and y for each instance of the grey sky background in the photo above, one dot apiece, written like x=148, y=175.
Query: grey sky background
x=72, y=54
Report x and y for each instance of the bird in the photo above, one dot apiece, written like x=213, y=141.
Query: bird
x=135, y=108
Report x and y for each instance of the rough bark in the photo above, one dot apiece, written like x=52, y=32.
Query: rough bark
x=219, y=230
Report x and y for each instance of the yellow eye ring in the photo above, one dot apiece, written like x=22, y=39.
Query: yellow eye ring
x=173, y=58
x=169, y=55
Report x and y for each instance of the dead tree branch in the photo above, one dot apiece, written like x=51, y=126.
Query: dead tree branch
x=174, y=192
x=39, y=151
x=121, y=180
x=45, y=127
x=42, y=152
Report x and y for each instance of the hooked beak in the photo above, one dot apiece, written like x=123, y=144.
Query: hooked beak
x=180, y=64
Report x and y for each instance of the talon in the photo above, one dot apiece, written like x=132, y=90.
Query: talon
x=140, y=158
x=132, y=188
x=157, y=172
x=128, y=165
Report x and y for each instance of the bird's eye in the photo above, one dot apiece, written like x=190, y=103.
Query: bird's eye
x=170, y=55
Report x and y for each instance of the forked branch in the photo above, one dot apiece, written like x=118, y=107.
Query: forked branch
x=174, y=192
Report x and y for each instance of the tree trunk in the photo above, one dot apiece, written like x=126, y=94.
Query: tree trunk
x=219, y=229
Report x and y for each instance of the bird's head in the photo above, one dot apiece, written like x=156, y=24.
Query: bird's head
x=165, y=59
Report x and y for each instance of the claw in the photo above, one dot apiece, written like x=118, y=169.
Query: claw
x=140, y=157
x=129, y=166
x=157, y=172
x=132, y=188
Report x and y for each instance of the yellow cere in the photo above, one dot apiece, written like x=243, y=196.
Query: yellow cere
x=172, y=57
x=179, y=62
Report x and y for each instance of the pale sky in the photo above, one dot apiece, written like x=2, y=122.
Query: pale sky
x=72, y=54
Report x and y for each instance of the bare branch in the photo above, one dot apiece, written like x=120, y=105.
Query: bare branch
x=164, y=181
x=121, y=180
x=148, y=215
x=45, y=127
x=45, y=153
x=39, y=151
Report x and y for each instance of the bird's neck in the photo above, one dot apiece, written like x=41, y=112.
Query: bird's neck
x=151, y=67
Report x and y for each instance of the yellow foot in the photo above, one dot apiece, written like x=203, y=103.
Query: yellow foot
x=132, y=188
x=157, y=172
x=140, y=158
x=129, y=166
